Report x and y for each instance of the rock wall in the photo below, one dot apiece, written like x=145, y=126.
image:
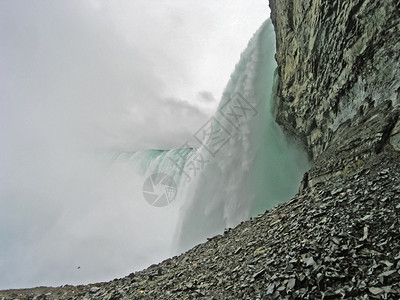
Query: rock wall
x=355, y=143
x=336, y=59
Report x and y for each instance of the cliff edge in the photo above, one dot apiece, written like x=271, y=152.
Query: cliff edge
x=335, y=59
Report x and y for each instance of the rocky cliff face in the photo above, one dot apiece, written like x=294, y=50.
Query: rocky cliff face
x=335, y=59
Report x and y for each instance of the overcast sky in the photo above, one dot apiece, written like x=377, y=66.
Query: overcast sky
x=78, y=77
x=119, y=74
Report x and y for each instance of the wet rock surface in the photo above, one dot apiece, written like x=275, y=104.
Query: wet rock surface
x=356, y=141
x=334, y=58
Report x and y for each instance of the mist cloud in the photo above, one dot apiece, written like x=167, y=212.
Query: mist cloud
x=81, y=78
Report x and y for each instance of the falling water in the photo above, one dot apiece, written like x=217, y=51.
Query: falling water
x=247, y=164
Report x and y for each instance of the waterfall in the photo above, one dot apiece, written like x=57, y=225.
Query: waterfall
x=111, y=214
x=242, y=164
x=247, y=165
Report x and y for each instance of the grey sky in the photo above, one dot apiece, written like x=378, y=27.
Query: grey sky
x=101, y=64
x=83, y=77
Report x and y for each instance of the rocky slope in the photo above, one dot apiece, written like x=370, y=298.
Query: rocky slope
x=338, y=237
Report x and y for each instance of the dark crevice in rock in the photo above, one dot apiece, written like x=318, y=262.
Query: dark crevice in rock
x=351, y=23
x=387, y=130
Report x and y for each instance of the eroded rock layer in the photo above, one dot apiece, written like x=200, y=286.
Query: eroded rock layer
x=335, y=58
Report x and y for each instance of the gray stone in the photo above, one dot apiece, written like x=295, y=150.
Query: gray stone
x=376, y=290
x=94, y=289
